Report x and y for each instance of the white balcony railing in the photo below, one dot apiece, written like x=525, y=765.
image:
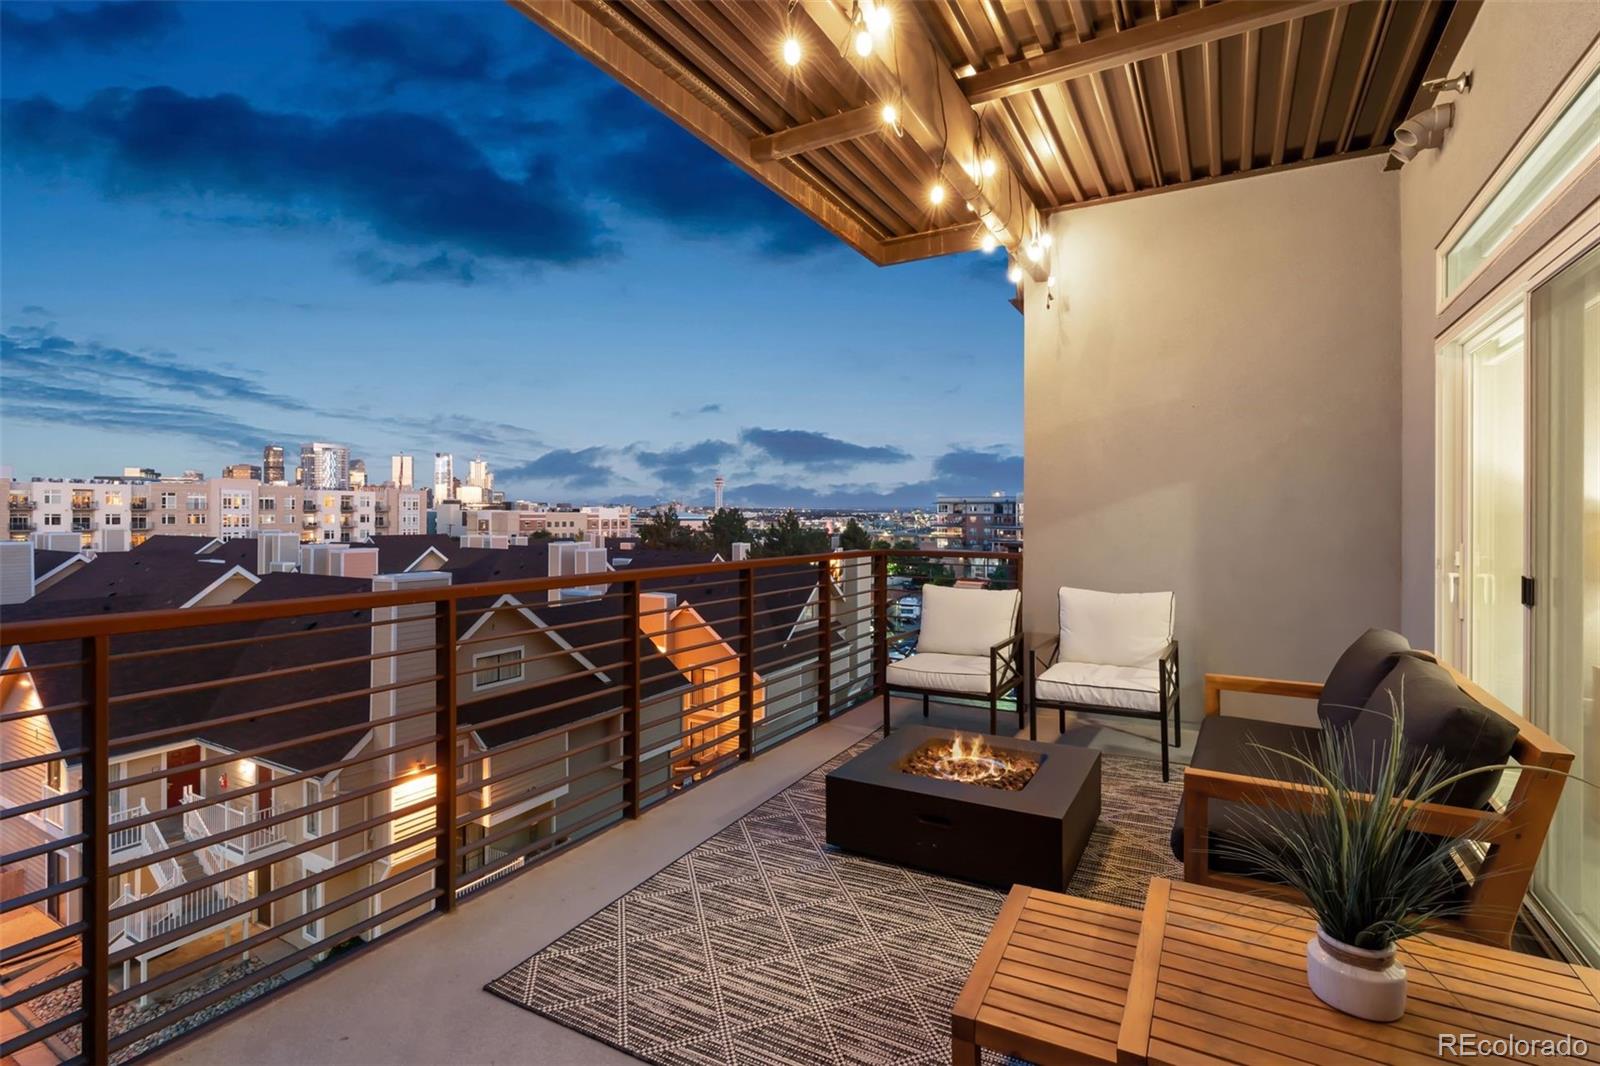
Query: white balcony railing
x=215, y=818
x=127, y=838
x=55, y=815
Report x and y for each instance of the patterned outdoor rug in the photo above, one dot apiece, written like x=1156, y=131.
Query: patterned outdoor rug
x=765, y=946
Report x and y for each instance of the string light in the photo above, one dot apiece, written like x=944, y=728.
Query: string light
x=791, y=51
x=987, y=166
x=1034, y=251
x=987, y=242
x=1050, y=282
x=863, y=43
x=891, y=117
x=1045, y=239
x=876, y=17
x=1014, y=274
x=936, y=194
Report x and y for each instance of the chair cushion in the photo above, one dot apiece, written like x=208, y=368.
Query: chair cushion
x=967, y=621
x=943, y=673
x=1227, y=743
x=1116, y=628
x=1357, y=673
x=1128, y=688
x=1439, y=717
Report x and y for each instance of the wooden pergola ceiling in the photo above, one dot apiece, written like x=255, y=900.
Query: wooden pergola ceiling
x=1076, y=102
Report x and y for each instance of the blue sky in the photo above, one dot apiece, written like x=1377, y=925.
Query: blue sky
x=432, y=228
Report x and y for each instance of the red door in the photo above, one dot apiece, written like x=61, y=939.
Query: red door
x=178, y=779
x=264, y=792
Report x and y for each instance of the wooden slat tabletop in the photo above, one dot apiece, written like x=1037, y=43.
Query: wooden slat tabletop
x=1051, y=981
x=1220, y=978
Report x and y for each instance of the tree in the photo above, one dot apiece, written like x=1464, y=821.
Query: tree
x=853, y=537
x=726, y=528
x=663, y=530
x=539, y=534
x=787, y=536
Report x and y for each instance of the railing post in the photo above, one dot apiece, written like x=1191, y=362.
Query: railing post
x=97, y=850
x=880, y=622
x=824, y=641
x=444, y=878
x=632, y=636
x=747, y=664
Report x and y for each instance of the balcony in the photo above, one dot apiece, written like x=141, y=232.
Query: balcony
x=140, y=503
x=22, y=503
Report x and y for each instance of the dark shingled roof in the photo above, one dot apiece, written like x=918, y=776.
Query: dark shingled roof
x=45, y=561
x=396, y=551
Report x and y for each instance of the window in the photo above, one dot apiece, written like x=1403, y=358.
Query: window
x=197, y=519
x=496, y=668
x=52, y=520
x=313, y=819
x=169, y=500
x=267, y=503
x=169, y=519
x=463, y=767
x=113, y=519
x=196, y=501
x=1568, y=142
x=310, y=900
x=52, y=498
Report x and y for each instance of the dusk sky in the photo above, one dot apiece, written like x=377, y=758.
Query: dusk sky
x=433, y=228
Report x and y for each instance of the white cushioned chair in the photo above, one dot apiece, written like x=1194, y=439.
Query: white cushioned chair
x=1115, y=655
x=970, y=644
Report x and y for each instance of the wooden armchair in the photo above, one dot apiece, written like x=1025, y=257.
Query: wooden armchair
x=1510, y=834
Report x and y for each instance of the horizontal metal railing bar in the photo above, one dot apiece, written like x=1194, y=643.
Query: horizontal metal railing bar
x=44, y=1032
x=520, y=826
x=157, y=1024
x=43, y=940
x=546, y=708
x=130, y=743
x=263, y=749
x=41, y=668
x=299, y=921
x=554, y=847
x=296, y=670
x=520, y=771
x=39, y=895
x=43, y=712
x=44, y=988
x=39, y=760
x=155, y=899
x=656, y=742
x=238, y=642
x=730, y=737
x=45, y=630
x=699, y=771
x=559, y=653
x=522, y=742
x=43, y=804
x=227, y=914
x=61, y=844
x=310, y=843
x=534, y=790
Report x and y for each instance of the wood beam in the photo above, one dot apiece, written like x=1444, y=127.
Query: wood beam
x=589, y=28
x=845, y=126
x=907, y=70
x=1247, y=124
x=1319, y=98
x=1291, y=64
x=1172, y=71
x=1369, y=60
x=1138, y=43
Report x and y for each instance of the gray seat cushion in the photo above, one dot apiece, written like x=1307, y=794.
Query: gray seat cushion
x=1439, y=717
x=1357, y=673
x=1225, y=744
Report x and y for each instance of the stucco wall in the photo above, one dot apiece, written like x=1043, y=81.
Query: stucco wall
x=1212, y=406
x=1518, y=53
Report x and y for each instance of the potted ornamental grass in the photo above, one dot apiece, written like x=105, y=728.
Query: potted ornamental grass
x=1356, y=853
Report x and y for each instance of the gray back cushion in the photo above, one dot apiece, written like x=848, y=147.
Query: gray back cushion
x=1439, y=717
x=1357, y=673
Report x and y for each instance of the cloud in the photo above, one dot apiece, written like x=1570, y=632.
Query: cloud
x=972, y=470
x=817, y=451
x=27, y=399
x=442, y=266
x=703, y=409
x=574, y=468
x=413, y=180
x=686, y=464
x=661, y=171
x=101, y=27
x=425, y=47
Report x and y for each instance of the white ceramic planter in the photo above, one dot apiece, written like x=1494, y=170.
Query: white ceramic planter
x=1361, y=982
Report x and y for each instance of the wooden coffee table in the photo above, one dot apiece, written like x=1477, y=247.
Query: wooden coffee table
x=1219, y=977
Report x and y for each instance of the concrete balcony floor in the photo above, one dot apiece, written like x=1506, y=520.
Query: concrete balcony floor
x=421, y=1000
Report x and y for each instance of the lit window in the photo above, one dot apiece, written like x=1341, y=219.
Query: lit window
x=313, y=819
x=417, y=825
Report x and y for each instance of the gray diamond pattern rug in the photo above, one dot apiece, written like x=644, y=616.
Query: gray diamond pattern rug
x=765, y=947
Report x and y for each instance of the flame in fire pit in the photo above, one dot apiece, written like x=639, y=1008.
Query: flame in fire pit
x=970, y=760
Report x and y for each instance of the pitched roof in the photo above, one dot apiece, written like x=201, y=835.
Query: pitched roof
x=396, y=551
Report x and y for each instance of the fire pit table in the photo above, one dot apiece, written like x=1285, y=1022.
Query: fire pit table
x=999, y=811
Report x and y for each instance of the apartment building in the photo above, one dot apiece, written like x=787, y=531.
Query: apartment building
x=324, y=466
x=979, y=523
x=272, y=465
x=118, y=515
x=402, y=470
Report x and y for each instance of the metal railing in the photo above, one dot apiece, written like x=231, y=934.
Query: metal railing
x=444, y=737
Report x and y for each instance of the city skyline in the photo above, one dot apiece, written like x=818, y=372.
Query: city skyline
x=224, y=228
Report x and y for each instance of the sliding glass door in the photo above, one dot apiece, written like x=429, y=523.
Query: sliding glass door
x=1565, y=314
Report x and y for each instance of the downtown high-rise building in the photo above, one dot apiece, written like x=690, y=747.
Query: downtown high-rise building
x=245, y=471
x=444, y=476
x=402, y=471
x=358, y=473
x=272, y=469
x=324, y=466
x=479, y=475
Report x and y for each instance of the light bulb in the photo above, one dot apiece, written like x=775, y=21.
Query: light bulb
x=877, y=18
x=1050, y=282
x=891, y=115
x=936, y=194
x=1045, y=239
x=1014, y=275
x=863, y=44
x=1034, y=251
x=987, y=242
x=987, y=166
x=791, y=51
